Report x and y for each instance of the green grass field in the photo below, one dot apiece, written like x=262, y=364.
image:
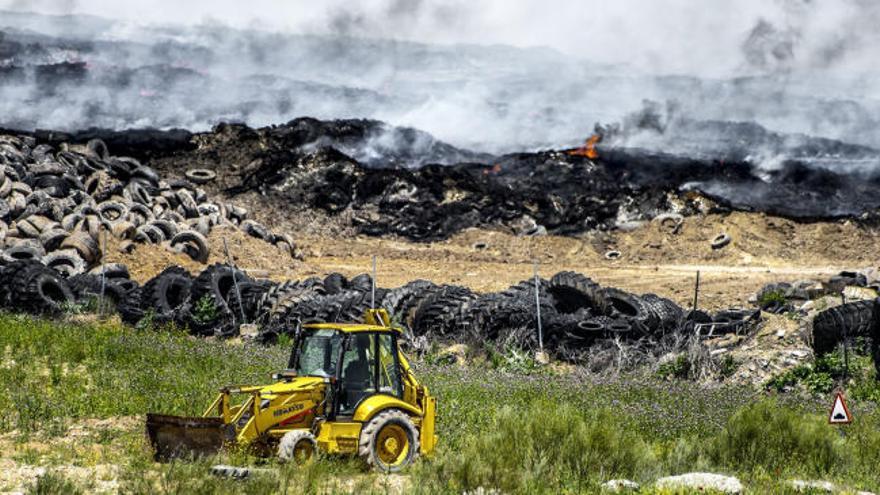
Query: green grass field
x=519, y=429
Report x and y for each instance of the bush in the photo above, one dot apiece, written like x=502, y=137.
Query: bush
x=205, y=310
x=54, y=484
x=544, y=448
x=775, y=438
x=680, y=368
x=771, y=298
x=821, y=376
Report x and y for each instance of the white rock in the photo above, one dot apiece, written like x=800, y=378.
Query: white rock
x=702, y=481
x=620, y=485
x=482, y=491
x=802, y=486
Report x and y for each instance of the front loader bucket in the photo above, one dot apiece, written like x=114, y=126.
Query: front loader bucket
x=179, y=436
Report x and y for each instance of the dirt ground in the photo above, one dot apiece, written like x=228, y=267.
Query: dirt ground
x=763, y=249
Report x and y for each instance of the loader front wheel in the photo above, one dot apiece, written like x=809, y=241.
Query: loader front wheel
x=298, y=446
x=389, y=442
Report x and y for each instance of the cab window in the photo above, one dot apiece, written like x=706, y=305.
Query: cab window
x=358, y=378
x=389, y=370
x=369, y=366
x=318, y=353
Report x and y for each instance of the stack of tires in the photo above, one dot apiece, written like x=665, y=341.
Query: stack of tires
x=848, y=322
x=59, y=206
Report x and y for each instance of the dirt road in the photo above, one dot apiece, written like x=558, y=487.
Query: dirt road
x=763, y=249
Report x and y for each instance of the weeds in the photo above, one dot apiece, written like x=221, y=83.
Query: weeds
x=772, y=298
x=679, y=367
x=821, y=376
x=504, y=424
x=531, y=450
x=205, y=309
x=54, y=484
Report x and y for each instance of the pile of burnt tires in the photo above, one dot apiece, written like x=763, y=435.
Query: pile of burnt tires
x=59, y=206
x=575, y=311
x=30, y=286
x=854, y=323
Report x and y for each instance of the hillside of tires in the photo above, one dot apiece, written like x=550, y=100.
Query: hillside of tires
x=83, y=229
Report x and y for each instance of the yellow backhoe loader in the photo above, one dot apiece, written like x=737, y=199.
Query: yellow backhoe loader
x=347, y=390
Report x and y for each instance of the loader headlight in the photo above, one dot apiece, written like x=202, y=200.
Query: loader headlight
x=264, y=403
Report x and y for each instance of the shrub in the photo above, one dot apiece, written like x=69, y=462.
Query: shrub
x=775, y=438
x=771, y=298
x=205, y=310
x=680, y=368
x=542, y=448
x=53, y=484
x=820, y=377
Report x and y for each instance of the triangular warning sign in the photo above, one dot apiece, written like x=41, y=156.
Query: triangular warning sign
x=839, y=412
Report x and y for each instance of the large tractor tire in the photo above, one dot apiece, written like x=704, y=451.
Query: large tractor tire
x=335, y=283
x=247, y=299
x=131, y=308
x=167, y=292
x=8, y=274
x=214, y=284
x=403, y=302
x=38, y=289
x=667, y=314
x=828, y=326
x=298, y=446
x=630, y=307
x=573, y=291
x=389, y=442
x=440, y=313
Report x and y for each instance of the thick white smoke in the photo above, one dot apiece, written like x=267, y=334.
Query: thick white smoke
x=796, y=66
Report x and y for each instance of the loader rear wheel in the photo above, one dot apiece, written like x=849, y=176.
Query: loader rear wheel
x=389, y=442
x=298, y=446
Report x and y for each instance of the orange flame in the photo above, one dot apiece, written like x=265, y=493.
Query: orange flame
x=589, y=148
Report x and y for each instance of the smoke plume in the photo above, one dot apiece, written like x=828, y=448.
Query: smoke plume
x=751, y=76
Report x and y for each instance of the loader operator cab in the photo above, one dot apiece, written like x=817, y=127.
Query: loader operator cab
x=347, y=389
x=359, y=361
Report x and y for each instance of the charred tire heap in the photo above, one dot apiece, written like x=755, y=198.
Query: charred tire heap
x=58, y=206
x=576, y=312
x=850, y=322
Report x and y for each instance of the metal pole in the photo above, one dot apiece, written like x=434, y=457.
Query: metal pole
x=845, y=344
x=234, y=281
x=103, y=271
x=373, y=287
x=696, y=290
x=538, y=308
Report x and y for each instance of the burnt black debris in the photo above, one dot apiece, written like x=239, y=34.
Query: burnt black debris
x=401, y=181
